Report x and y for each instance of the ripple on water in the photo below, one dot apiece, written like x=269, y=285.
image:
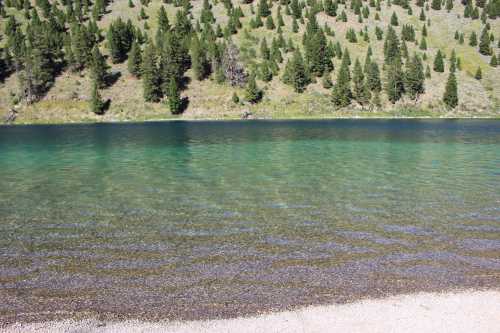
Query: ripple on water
x=372, y=237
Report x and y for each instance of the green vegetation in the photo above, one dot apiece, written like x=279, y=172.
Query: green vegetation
x=194, y=57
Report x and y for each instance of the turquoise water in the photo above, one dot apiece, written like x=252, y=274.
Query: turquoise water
x=210, y=219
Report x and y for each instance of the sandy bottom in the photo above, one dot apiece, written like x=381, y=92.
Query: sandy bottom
x=477, y=311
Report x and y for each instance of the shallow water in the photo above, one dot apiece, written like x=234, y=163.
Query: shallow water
x=215, y=219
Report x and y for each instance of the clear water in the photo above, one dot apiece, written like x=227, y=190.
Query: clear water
x=210, y=219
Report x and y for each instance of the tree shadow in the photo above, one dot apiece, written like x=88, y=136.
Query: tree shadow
x=184, y=105
x=111, y=78
x=184, y=82
x=106, y=105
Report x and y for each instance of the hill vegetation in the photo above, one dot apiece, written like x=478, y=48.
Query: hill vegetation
x=104, y=60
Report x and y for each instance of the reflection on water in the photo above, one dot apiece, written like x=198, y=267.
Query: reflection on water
x=207, y=219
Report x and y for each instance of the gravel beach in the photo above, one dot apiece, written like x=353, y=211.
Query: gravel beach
x=469, y=311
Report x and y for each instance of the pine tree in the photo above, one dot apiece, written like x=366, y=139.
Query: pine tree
x=494, y=61
x=295, y=26
x=484, y=43
x=391, y=46
x=295, y=72
x=438, y=62
x=395, y=81
x=394, y=19
x=163, y=23
x=235, y=98
x=199, y=62
x=479, y=73
x=270, y=23
x=150, y=77
x=330, y=8
x=173, y=97
x=252, y=93
x=450, y=97
x=315, y=48
x=423, y=44
x=96, y=102
x=135, y=60
x=473, y=39
x=98, y=68
x=373, y=77
x=449, y=5
x=174, y=59
x=360, y=90
x=341, y=94
x=266, y=74
x=414, y=77
x=265, y=53
x=296, y=9
x=263, y=9
x=206, y=15
x=436, y=4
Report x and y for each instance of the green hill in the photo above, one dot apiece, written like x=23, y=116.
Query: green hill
x=78, y=60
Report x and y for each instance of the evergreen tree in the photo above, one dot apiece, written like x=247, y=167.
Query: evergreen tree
x=330, y=8
x=252, y=93
x=270, y=23
x=295, y=72
x=199, y=62
x=96, y=102
x=263, y=9
x=119, y=39
x=494, y=61
x=135, y=60
x=394, y=19
x=265, y=53
x=235, y=98
x=450, y=97
x=173, y=97
x=484, y=43
x=453, y=61
x=99, y=68
x=414, y=77
x=341, y=94
x=315, y=48
x=479, y=73
x=473, y=39
x=163, y=23
x=295, y=26
x=206, y=15
x=373, y=77
x=395, y=81
x=174, y=60
x=423, y=44
x=391, y=46
x=436, y=4
x=360, y=90
x=296, y=9
x=438, y=62
x=150, y=77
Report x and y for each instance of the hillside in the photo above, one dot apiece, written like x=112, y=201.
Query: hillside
x=200, y=63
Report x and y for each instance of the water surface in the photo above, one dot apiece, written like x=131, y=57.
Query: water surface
x=215, y=219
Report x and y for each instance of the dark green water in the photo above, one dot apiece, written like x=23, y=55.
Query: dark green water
x=209, y=219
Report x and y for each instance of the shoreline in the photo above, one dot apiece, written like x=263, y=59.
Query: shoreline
x=228, y=119
x=463, y=311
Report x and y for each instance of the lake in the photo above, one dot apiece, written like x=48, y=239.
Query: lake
x=218, y=219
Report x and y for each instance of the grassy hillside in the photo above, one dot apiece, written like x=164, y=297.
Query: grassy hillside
x=67, y=100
